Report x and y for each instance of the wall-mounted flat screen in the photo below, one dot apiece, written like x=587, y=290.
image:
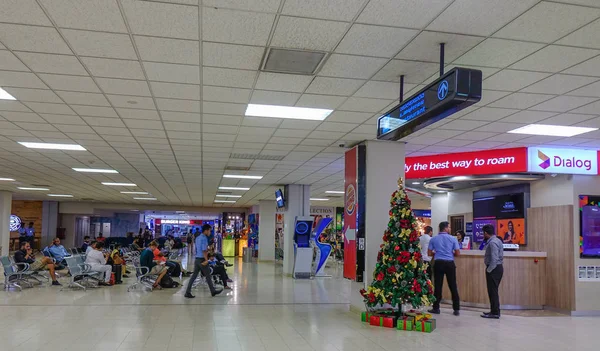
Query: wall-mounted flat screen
x=279, y=198
x=505, y=212
x=589, y=226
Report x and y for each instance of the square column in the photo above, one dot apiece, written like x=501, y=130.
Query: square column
x=5, y=209
x=297, y=203
x=266, y=230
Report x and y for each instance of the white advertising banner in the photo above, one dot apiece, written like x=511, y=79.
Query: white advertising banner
x=562, y=161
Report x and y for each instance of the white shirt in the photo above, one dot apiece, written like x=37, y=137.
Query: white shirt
x=88, y=249
x=95, y=257
x=424, y=240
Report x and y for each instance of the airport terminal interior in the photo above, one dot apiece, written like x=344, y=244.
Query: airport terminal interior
x=264, y=175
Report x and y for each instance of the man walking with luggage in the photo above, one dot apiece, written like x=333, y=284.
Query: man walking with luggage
x=201, y=263
x=493, y=259
x=443, y=248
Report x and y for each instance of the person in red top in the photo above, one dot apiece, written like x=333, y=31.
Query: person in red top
x=100, y=238
x=173, y=265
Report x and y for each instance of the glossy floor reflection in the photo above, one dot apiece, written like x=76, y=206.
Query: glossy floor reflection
x=265, y=311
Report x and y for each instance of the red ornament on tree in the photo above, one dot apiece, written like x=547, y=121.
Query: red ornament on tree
x=397, y=248
x=404, y=223
x=391, y=269
x=380, y=276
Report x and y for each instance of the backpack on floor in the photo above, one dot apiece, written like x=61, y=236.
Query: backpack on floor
x=175, y=270
x=168, y=282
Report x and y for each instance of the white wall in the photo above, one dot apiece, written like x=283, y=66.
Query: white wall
x=460, y=202
x=266, y=230
x=5, y=211
x=439, y=209
x=552, y=191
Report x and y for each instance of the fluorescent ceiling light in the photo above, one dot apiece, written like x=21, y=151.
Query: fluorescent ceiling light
x=225, y=201
x=219, y=195
x=179, y=211
x=241, y=176
x=33, y=189
x=4, y=95
x=60, y=195
x=416, y=183
x=551, y=130
x=7, y=180
x=334, y=192
x=134, y=192
x=118, y=184
x=318, y=199
x=51, y=146
x=315, y=114
x=145, y=198
x=232, y=188
x=94, y=170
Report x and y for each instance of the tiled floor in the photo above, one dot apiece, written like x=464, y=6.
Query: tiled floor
x=265, y=311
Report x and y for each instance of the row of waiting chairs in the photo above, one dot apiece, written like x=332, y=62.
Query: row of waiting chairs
x=17, y=275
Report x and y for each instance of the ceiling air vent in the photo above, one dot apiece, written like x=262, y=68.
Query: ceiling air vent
x=257, y=157
x=293, y=61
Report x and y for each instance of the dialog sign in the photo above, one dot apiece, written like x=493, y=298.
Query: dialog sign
x=457, y=89
x=565, y=161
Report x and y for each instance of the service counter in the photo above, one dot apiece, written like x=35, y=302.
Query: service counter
x=522, y=285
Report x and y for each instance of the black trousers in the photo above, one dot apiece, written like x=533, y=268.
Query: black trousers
x=220, y=271
x=199, y=267
x=493, y=280
x=443, y=268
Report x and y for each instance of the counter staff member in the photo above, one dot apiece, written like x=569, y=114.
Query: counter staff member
x=493, y=259
x=443, y=248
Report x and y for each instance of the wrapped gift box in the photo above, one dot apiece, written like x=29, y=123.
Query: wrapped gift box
x=364, y=316
x=425, y=325
x=376, y=320
x=418, y=315
x=389, y=321
x=406, y=323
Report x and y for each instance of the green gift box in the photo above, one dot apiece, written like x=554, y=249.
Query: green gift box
x=406, y=323
x=425, y=325
x=364, y=316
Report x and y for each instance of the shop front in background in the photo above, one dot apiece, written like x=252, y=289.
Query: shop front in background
x=25, y=212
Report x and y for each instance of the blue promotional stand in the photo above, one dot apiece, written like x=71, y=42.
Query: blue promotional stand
x=323, y=250
x=303, y=252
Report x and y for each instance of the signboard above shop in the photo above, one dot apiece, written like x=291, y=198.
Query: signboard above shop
x=457, y=89
x=563, y=161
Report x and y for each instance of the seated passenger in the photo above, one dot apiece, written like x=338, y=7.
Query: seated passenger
x=86, y=243
x=137, y=245
x=100, y=238
x=175, y=267
x=90, y=247
x=147, y=260
x=117, y=259
x=97, y=260
x=219, y=269
x=25, y=255
x=58, y=251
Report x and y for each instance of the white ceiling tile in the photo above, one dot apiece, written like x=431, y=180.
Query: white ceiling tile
x=111, y=68
x=426, y=46
x=167, y=72
x=162, y=20
x=266, y=97
x=95, y=111
x=461, y=124
x=177, y=91
x=563, y=104
x=479, y=17
x=379, y=41
x=38, y=95
x=123, y=86
x=364, y=104
x=339, y=10
x=182, y=126
x=178, y=105
x=15, y=116
x=528, y=116
x=282, y=82
x=337, y=127
x=286, y=140
x=521, y=100
x=414, y=72
x=498, y=53
x=23, y=11
x=10, y=62
x=307, y=33
x=320, y=101
x=381, y=90
x=559, y=84
x=511, y=80
x=248, y=28
x=20, y=79
x=66, y=128
x=221, y=119
x=144, y=124
x=221, y=108
x=489, y=114
x=140, y=102
x=475, y=136
x=41, y=107
x=29, y=38
x=592, y=90
x=405, y=13
x=228, y=77
x=282, y=133
x=591, y=109
x=48, y=63
x=249, y=5
x=295, y=124
x=348, y=117
x=547, y=22
x=110, y=45
x=231, y=56
x=72, y=97
x=168, y=50
x=498, y=127
x=584, y=37
x=111, y=131
x=555, y=58
x=566, y=119
x=334, y=86
x=347, y=66
x=129, y=113
x=488, y=96
x=63, y=119
x=210, y=93
x=101, y=15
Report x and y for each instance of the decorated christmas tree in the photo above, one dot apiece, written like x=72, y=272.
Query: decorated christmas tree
x=400, y=275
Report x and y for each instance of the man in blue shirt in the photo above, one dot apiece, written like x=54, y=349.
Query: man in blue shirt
x=58, y=251
x=443, y=248
x=201, y=263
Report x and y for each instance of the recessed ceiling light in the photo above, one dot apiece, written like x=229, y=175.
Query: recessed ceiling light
x=232, y=188
x=4, y=95
x=51, y=146
x=241, y=176
x=134, y=210
x=179, y=211
x=145, y=198
x=60, y=195
x=7, y=180
x=416, y=183
x=225, y=201
x=318, y=199
x=118, y=184
x=220, y=195
x=441, y=191
x=551, y=130
x=33, y=189
x=314, y=114
x=134, y=192
x=334, y=192
x=94, y=170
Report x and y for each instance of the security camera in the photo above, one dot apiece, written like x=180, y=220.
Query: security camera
x=342, y=144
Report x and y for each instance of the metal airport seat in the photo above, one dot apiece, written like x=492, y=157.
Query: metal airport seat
x=144, y=280
x=13, y=278
x=81, y=275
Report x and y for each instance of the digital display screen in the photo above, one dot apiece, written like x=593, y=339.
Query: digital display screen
x=500, y=207
x=589, y=225
x=279, y=198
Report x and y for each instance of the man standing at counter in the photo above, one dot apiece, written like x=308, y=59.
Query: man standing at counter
x=442, y=248
x=493, y=259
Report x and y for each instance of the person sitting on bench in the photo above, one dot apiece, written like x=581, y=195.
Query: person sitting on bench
x=218, y=269
x=147, y=260
x=25, y=255
x=97, y=261
x=58, y=251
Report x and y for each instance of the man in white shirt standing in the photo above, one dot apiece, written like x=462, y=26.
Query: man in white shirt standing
x=97, y=260
x=424, y=241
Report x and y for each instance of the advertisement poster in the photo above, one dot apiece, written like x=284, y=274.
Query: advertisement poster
x=350, y=223
x=478, y=228
x=512, y=231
